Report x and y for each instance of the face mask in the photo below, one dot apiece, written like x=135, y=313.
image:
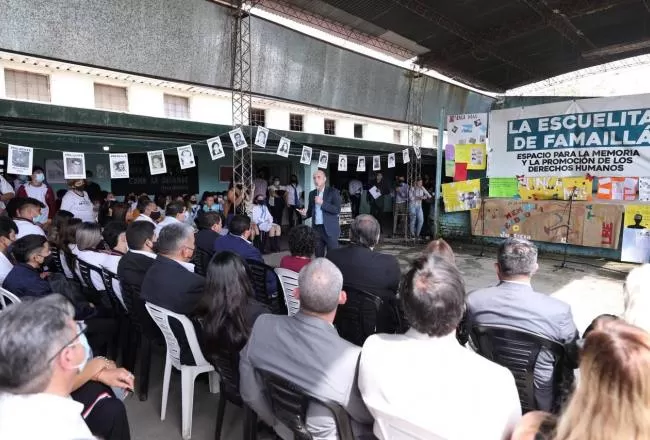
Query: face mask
x=39, y=218
x=259, y=202
x=39, y=178
x=276, y=183
x=155, y=215
x=293, y=181
x=79, y=185
x=186, y=216
x=87, y=352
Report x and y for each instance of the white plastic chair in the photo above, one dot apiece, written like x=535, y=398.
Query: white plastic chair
x=7, y=296
x=289, y=281
x=188, y=372
x=389, y=427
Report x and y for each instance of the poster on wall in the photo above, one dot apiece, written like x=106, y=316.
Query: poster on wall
x=74, y=165
x=323, y=158
x=462, y=196
x=636, y=234
x=186, y=157
x=119, y=163
x=361, y=164
x=343, y=162
x=283, y=147
x=474, y=155
x=553, y=188
x=20, y=160
x=617, y=188
x=644, y=189
x=157, y=163
x=406, y=158
x=216, y=148
x=391, y=160
x=237, y=138
x=604, y=137
x=467, y=129
x=262, y=136
x=305, y=157
x=594, y=225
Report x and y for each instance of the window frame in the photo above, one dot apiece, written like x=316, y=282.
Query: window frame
x=293, y=118
x=166, y=105
x=26, y=74
x=109, y=87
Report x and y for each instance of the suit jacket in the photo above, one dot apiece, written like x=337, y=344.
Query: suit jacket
x=205, y=239
x=331, y=208
x=169, y=285
x=440, y=382
x=133, y=267
x=518, y=306
x=247, y=251
x=23, y=280
x=309, y=352
x=367, y=270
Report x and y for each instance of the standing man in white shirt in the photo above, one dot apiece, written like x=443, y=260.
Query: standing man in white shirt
x=28, y=217
x=41, y=352
x=8, y=231
x=176, y=212
x=443, y=389
x=293, y=197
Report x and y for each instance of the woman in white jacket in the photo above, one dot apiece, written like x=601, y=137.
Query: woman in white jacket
x=262, y=218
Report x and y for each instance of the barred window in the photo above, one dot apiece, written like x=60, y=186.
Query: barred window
x=27, y=85
x=257, y=117
x=330, y=126
x=111, y=98
x=358, y=131
x=177, y=106
x=397, y=136
x=295, y=122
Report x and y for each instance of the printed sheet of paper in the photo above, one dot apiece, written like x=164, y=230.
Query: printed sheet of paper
x=503, y=187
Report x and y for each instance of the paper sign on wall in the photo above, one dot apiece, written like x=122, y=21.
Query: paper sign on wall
x=462, y=196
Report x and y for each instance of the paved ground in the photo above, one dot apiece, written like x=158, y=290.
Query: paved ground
x=591, y=289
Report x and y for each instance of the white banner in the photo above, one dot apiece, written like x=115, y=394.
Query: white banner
x=600, y=137
x=467, y=129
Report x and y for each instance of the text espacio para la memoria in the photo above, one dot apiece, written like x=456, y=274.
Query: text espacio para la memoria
x=569, y=130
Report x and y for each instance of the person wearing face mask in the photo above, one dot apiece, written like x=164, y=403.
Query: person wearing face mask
x=8, y=230
x=77, y=202
x=26, y=277
x=38, y=189
x=28, y=216
x=133, y=266
x=276, y=200
x=176, y=212
x=293, y=198
x=148, y=211
x=263, y=220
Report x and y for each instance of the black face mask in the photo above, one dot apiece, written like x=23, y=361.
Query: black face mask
x=155, y=215
x=294, y=181
x=259, y=202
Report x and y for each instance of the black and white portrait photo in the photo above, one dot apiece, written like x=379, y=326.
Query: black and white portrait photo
x=323, y=158
x=391, y=160
x=361, y=163
x=20, y=160
x=283, y=147
x=215, y=148
x=238, y=140
x=74, y=165
x=343, y=162
x=119, y=165
x=376, y=163
x=418, y=153
x=186, y=157
x=261, y=137
x=305, y=157
x=406, y=158
x=156, y=162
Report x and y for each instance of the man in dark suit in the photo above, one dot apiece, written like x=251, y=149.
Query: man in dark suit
x=324, y=208
x=210, y=225
x=171, y=282
x=134, y=265
x=514, y=304
x=361, y=266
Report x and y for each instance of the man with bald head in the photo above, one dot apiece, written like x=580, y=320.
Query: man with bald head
x=306, y=350
x=324, y=209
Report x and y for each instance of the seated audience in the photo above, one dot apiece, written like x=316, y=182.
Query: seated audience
x=171, y=282
x=77, y=201
x=41, y=354
x=302, y=244
x=67, y=245
x=175, y=212
x=28, y=217
x=89, y=236
x=38, y=189
x=8, y=230
x=636, y=298
x=440, y=248
x=132, y=267
x=209, y=204
x=114, y=235
x=210, y=225
x=228, y=308
x=306, y=350
x=514, y=304
x=263, y=220
x=59, y=223
x=26, y=277
x=436, y=374
x=148, y=211
x=362, y=267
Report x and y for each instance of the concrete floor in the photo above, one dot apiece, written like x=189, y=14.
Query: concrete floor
x=591, y=289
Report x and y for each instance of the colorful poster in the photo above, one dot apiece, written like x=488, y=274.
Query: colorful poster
x=449, y=152
x=644, y=189
x=474, y=155
x=553, y=188
x=603, y=137
x=636, y=234
x=460, y=172
x=548, y=220
x=467, y=129
x=450, y=168
x=503, y=187
x=462, y=196
x=617, y=188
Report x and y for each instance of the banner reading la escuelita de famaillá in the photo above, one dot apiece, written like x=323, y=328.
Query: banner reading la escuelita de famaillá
x=600, y=137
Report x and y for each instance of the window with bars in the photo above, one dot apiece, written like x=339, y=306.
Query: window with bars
x=257, y=116
x=111, y=98
x=295, y=122
x=177, y=106
x=27, y=85
x=397, y=136
x=330, y=126
x=358, y=131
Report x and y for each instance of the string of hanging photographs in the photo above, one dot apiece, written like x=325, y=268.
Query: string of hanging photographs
x=21, y=158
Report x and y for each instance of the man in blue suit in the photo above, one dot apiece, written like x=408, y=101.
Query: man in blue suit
x=324, y=209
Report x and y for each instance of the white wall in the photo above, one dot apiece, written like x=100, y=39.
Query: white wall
x=72, y=90
x=314, y=123
x=3, y=91
x=146, y=100
x=278, y=119
x=210, y=109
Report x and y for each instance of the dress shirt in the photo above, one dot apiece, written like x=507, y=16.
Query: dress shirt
x=145, y=218
x=262, y=218
x=27, y=227
x=417, y=194
x=318, y=209
x=439, y=384
x=145, y=253
x=41, y=416
x=169, y=220
x=402, y=193
x=186, y=265
x=5, y=267
x=293, y=194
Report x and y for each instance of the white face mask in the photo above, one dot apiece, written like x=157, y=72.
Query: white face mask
x=88, y=353
x=186, y=216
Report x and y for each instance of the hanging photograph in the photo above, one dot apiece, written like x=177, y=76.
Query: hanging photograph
x=283, y=147
x=406, y=158
x=323, y=159
x=186, y=157
x=54, y=171
x=238, y=140
x=119, y=165
x=74, y=165
x=418, y=153
x=343, y=162
x=391, y=160
x=20, y=160
x=361, y=163
x=215, y=148
x=262, y=136
x=376, y=163
x=156, y=162
x=305, y=157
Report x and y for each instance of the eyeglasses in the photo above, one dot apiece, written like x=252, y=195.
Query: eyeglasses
x=190, y=248
x=82, y=329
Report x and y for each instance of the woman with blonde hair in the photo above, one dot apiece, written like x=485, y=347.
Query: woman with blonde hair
x=612, y=398
x=636, y=297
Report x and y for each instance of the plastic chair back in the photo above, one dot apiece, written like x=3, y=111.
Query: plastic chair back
x=54, y=262
x=258, y=273
x=138, y=314
x=7, y=298
x=200, y=260
x=288, y=282
x=161, y=318
x=518, y=351
x=226, y=363
x=110, y=281
x=290, y=403
x=87, y=270
x=359, y=316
